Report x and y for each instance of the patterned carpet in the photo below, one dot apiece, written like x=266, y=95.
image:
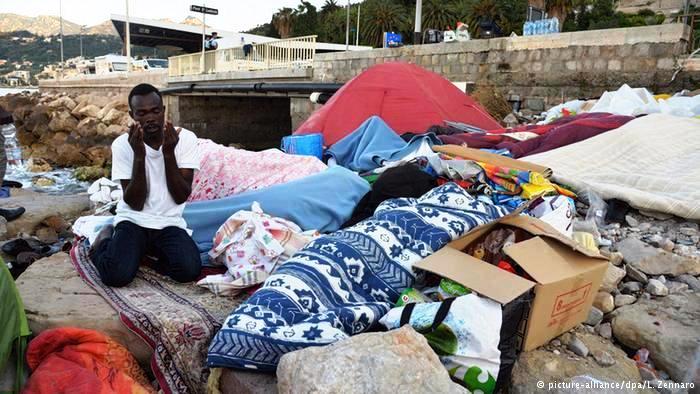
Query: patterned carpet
x=177, y=320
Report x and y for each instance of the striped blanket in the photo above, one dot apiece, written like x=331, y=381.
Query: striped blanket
x=342, y=284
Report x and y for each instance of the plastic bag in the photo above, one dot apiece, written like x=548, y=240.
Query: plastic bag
x=462, y=32
x=627, y=101
x=557, y=211
x=463, y=331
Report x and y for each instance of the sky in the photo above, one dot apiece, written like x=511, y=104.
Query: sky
x=234, y=15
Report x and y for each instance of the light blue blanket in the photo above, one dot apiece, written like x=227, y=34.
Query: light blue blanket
x=373, y=143
x=322, y=201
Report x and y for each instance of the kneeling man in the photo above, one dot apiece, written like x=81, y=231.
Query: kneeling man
x=155, y=164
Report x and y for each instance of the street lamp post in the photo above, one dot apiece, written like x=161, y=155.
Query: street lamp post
x=357, y=34
x=128, y=40
x=419, y=20
x=347, y=29
x=81, y=40
x=60, y=15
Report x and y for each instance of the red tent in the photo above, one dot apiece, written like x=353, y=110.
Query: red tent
x=407, y=97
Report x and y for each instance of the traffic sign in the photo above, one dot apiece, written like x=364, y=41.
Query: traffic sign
x=204, y=10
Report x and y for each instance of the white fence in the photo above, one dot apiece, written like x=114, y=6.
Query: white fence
x=295, y=52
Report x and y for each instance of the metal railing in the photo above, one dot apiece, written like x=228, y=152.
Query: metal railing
x=297, y=52
x=692, y=20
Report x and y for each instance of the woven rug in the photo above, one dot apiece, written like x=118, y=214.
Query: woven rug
x=177, y=320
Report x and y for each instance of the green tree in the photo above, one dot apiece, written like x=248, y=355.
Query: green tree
x=305, y=20
x=482, y=11
x=438, y=15
x=329, y=7
x=379, y=16
x=560, y=9
x=283, y=20
x=266, y=29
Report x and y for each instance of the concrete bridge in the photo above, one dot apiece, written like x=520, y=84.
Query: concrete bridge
x=541, y=70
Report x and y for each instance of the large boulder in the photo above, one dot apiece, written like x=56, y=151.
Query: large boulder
x=71, y=155
x=396, y=361
x=668, y=326
x=63, y=121
x=612, y=278
x=38, y=121
x=547, y=366
x=54, y=295
x=99, y=155
x=64, y=102
x=235, y=381
x=93, y=99
x=118, y=104
x=39, y=207
x=87, y=127
x=114, y=131
x=653, y=261
x=114, y=116
x=89, y=111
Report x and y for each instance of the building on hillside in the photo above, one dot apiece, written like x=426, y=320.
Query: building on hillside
x=3, y=62
x=17, y=78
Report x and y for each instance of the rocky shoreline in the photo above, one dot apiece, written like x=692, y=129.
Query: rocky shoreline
x=67, y=130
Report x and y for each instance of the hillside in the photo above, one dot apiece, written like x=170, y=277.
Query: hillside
x=104, y=28
x=46, y=25
x=42, y=25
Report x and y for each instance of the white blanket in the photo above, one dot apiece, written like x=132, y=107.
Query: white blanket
x=652, y=162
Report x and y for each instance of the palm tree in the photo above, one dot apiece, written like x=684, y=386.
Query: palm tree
x=482, y=11
x=283, y=20
x=329, y=6
x=379, y=16
x=462, y=9
x=436, y=15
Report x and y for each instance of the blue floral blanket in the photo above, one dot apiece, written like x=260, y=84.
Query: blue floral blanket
x=341, y=284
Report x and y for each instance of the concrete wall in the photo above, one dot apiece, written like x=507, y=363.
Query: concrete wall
x=252, y=122
x=113, y=83
x=556, y=67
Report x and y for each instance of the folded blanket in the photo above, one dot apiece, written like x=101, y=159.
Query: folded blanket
x=322, y=201
x=342, y=284
x=70, y=359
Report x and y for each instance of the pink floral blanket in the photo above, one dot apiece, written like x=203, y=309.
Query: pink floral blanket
x=225, y=171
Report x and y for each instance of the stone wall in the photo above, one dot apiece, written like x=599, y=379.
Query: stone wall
x=252, y=122
x=554, y=68
x=104, y=84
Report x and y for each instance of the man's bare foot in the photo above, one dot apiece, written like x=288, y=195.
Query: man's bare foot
x=105, y=233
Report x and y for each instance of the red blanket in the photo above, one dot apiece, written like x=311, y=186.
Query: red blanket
x=561, y=132
x=74, y=360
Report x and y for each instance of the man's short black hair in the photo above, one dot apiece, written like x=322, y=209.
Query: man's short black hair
x=143, y=89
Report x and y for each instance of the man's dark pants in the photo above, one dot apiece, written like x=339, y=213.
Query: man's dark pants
x=117, y=259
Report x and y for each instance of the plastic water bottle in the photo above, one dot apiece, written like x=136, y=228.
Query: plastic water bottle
x=555, y=22
x=12, y=149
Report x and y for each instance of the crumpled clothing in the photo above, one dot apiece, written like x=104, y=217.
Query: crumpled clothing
x=527, y=184
x=251, y=244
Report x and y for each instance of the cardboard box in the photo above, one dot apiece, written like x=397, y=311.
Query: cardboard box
x=567, y=276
